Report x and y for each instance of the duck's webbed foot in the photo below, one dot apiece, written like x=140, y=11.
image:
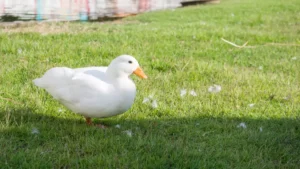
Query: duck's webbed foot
x=101, y=126
x=90, y=123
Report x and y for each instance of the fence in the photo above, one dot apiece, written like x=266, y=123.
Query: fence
x=80, y=9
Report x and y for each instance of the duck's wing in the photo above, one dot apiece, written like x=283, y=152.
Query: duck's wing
x=98, y=72
x=73, y=86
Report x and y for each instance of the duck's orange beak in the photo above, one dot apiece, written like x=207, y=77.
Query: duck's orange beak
x=139, y=72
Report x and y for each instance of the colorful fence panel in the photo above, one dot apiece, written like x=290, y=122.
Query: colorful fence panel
x=80, y=9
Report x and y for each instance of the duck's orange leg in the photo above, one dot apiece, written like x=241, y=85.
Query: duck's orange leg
x=89, y=122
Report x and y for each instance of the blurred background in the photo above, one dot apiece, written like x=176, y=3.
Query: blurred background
x=11, y=10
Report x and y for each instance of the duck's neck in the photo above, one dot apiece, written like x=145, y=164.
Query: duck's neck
x=114, y=74
x=124, y=83
x=120, y=79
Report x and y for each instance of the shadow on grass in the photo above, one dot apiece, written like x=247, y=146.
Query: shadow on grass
x=199, y=142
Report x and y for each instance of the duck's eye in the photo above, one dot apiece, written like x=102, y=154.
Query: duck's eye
x=130, y=61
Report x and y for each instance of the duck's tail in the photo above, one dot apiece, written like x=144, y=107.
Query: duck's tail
x=38, y=82
x=54, y=77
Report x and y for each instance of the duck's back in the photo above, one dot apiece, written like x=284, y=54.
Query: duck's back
x=60, y=76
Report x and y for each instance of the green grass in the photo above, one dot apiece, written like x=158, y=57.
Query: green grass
x=177, y=49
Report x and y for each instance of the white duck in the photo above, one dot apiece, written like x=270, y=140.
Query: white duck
x=94, y=91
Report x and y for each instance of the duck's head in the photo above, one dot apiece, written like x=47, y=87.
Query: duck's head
x=124, y=66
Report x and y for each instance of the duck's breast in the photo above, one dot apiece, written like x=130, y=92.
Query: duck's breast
x=117, y=100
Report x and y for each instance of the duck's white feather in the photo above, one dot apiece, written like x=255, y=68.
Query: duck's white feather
x=89, y=91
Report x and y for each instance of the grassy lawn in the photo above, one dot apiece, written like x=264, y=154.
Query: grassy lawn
x=253, y=122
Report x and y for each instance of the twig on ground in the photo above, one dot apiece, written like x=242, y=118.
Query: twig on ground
x=235, y=45
x=10, y=100
x=281, y=44
x=188, y=62
x=267, y=44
